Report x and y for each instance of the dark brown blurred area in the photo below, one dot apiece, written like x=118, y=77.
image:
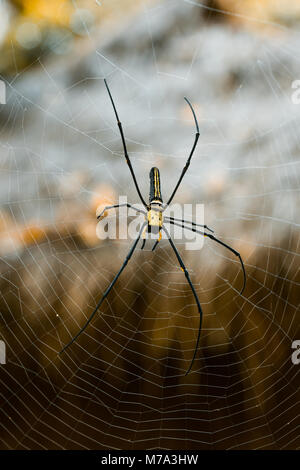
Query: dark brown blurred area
x=122, y=385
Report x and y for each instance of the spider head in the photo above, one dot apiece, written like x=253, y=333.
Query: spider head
x=155, y=193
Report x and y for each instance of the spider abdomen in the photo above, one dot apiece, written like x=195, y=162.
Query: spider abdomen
x=155, y=192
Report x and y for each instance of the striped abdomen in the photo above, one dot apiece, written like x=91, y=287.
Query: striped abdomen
x=155, y=193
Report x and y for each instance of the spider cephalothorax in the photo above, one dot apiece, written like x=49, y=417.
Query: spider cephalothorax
x=154, y=223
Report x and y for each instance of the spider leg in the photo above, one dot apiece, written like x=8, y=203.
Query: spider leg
x=183, y=268
x=124, y=146
x=107, y=291
x=190, y=156
x=189, y=222
x=157, y=241
x=212, y=237
x=119, y=205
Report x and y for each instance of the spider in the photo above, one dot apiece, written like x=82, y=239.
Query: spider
x=154, y=223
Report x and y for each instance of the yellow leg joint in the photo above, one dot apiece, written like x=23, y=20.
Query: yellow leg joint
x=144, y=233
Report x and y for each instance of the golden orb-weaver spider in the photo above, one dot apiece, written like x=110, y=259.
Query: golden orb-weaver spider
x=155, y=223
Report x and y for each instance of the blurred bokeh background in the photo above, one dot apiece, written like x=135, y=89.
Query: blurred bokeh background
x=122, y=385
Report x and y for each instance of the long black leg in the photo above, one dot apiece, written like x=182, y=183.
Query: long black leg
x=191, y=153
x=143, y=237
x=157, y=241
x=124, y=146
x=188, y=222
x=107, y=291
x=115, y=206
x=155, y=245
x=212, y=237
x=194, y=293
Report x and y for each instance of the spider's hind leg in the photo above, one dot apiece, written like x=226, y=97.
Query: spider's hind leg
x=186, y=273
x=131, y=251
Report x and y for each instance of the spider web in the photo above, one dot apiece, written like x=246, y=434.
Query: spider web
x=122, y=384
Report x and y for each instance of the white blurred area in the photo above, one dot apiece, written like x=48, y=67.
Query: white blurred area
x=5, y=17
x=61, y=152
